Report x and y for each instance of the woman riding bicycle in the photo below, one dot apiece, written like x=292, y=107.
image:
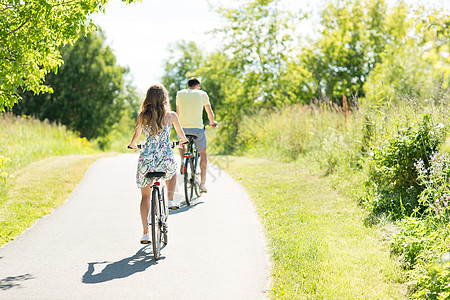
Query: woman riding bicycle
x=156, y=119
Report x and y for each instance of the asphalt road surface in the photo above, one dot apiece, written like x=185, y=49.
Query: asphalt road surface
x=89, y=247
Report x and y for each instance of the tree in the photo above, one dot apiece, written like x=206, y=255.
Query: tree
x=31, y=33
x=434, y=31
x=412, y=64
x=353, y=35
x=256, y=40
x=183, y=62
x=87, y=89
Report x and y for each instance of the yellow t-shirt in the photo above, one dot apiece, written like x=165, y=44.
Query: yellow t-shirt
x=190, y=103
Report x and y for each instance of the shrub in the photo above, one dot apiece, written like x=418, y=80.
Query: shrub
x=422, y=245
x=435, y=197
x=433, y=283
x=393, y=174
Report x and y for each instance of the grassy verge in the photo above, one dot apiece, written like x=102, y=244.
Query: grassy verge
x=37, y=189
x=319, y=246
x=24, y=140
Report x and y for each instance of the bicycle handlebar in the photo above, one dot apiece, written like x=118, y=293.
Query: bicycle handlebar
x=172, y=145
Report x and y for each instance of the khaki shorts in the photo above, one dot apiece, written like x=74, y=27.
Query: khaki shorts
x=200, y=141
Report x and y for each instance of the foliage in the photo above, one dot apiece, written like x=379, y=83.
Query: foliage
x=433, y=28
x=120, y=134
x=394, y=177
x=434, y=282
x=422, y=242
x=352, y=38
x=408, y=66
x=30, y=37
x=184, y=59
x=423, y=248
x=436, y=182
x=285, y=134
x=415, y=236
x=255, y=39
x=261, y=133
x=87, y=89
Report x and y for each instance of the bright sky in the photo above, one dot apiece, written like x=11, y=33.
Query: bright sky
x=141, y=33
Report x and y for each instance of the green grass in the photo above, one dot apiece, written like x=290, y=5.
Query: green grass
x=36, y=190
x=24, y=140
x=319, y=246
x=40, y=164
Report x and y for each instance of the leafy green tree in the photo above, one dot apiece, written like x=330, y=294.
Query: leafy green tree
x=434, y=32
x=353, y=35
x=411, y=64
x=244, y=73
x=31, y=34
x=87, y=89
x=122, y=130
x=256, y=40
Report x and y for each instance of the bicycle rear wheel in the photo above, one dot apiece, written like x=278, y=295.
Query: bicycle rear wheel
x=188, y=181
x=164, y=215
x=156, y=224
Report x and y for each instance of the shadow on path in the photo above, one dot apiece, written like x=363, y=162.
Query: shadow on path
x=139, y=262
x=13, y=281
x=184, y=207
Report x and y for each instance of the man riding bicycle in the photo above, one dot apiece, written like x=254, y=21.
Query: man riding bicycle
x=190, y=103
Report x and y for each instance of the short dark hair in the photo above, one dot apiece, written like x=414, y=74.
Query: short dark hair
x=193, y=81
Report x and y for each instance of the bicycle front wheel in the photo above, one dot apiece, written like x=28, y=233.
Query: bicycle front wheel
x=156, y=224
x=196, y=175
x=188, y=181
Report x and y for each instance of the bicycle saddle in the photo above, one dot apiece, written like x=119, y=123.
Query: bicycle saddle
x=152, y=175
x=193, y=137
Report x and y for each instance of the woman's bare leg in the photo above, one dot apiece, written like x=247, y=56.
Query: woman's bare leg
x=145, y=206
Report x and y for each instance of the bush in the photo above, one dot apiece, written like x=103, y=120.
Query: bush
x=435, y=197
x=393, y=173
x=434, y=282
x=422, y=245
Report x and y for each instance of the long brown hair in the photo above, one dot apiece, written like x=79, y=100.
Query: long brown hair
x=153, y=109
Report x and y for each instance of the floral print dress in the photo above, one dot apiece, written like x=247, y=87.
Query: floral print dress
x=156, y=156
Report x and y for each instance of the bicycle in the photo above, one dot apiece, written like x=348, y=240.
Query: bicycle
x=158, y=214
x=191, y=171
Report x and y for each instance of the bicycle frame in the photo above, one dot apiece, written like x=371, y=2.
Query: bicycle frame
x=191, y=153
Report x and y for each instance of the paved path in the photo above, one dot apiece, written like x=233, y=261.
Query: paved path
x=89, y=247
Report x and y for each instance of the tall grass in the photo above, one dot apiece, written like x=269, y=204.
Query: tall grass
x=24, y=140
x=337, y=141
